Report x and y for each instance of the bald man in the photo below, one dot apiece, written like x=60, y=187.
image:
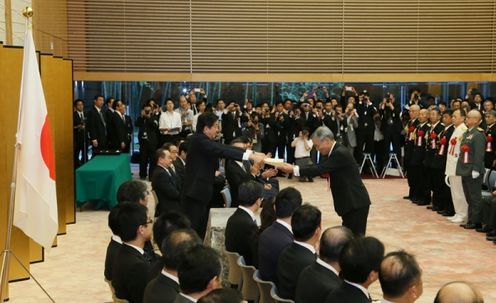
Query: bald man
x=458, y=292
x=400, y=277
x=470, y=167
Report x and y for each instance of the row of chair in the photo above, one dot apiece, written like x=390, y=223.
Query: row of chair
x=247, y=279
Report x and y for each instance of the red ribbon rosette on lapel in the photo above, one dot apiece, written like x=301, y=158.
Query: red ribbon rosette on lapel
x=465, y=149
x=489, y=145
x=433, y=140
x=420, y=135
x=443, y=146
x=453, y=144
x=411, y=129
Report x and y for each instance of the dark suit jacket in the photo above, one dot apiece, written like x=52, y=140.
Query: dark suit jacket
x=168, y=192
x=315, y=283
x=241, y=236
x=181, y=299
x=348, y=191
x=180, y=169
x=271, y=242
x=112, y=250
x=230, y=126
x=291, y=263
x=490, y=156
x=161, y=290
x=430, y=155
x=117, y=131
x=235, y=176
x=418, y=154
x=347, y=294
x=97, y=129
x=129, y=274
x=78, y=132
x=201, y=163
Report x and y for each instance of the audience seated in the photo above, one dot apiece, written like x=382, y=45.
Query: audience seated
x=199, y=273
x=279, y=235
x=222, y=295
x=165, y=185
x=130, y=268
x=458, y=292
x=114, y=244
x=174, y=151
x=322, y=277
x=165, y=287
x=241, y=233
x=301, y=253
x=163, y=226
x=400, y=277
x=360, y=261
x=180, y=162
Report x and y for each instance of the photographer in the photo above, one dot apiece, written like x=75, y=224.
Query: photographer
x=366, y=126
x=269, y=140
x=336, y=122
x=79, y=132
x=351, y=126
x=231, y=122
x=391, y=125
x=148, y=139
x=303, y=145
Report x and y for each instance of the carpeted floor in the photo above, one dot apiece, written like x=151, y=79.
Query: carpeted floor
x=73, y=272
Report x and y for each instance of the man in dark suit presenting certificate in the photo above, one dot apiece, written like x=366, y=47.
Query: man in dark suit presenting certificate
x=351, y=199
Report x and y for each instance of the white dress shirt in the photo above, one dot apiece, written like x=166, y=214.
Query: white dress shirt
x=363, y=289
x=296, y=169
x=285, y=225
x=248, y=211
x=170, y=120
x=136, y=247
x=306, y=245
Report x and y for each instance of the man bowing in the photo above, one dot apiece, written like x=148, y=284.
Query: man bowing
x=351, y=199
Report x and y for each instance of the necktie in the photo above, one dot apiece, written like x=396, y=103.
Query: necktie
x=247, y=166
x=101, y=118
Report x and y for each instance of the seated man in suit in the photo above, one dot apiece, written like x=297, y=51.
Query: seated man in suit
x=238, y=172
x=130, y=268
x=163, y=226
x=400, y=277
x=222, y=295
x=199, y=273
x=359, y=261
x=241, y=233
x=322, y=277
x=458, y=292
x=273, y=240
x=180, y=162
x=115, y=243
x=301, y=253
x=173, y=150
x=165, y=184
x=165, y=287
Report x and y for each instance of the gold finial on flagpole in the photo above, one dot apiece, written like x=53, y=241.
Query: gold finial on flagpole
x=27, y=12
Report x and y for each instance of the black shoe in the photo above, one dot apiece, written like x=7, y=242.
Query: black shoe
x=483, y=229
x=290, y=176
x=491, y=238
x=492, y=233
x=448, y=214
x=421, y=203
x=472, y=226
x=430, y=207
x=310, y=179
x=407, y=198
x=440, y=211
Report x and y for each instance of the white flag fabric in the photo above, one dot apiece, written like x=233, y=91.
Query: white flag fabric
x=35, y=195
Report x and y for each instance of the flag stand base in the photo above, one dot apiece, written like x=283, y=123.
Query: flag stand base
x=5, y=259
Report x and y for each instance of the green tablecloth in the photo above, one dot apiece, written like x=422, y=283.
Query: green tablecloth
x=100, y=178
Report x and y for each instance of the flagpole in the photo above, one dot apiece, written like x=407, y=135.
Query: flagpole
x=4, y=274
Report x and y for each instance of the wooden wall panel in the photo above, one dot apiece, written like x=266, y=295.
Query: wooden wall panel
x=10, y=80
x=66, y=85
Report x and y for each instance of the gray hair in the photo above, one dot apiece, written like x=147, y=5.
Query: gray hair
x=323, y=132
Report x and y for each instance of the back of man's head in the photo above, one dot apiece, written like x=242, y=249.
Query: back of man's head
x=198, y=269
x=306, y=220
x=249, y=192
x=400, y=273
x=458, y=292
x=332, y=242
x=113, y=220
x=131, y=191
x=360, y=257
x=131, y=217
x=174, y=247
x=287, y=201
x=222, y=295
x=167, y=223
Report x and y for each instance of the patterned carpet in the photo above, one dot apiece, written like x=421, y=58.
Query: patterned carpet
x=73, y=272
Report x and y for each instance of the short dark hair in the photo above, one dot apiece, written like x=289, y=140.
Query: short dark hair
x=448, y=112
x=359, y=257
x=198, y=267
x=222, y=295
x=160, y=153
x=167, y=223
x=462, y=112
x=183, y=147
x=131, y=216
x=113, y=220
x=109, y=99
x=116, y=102
x=78, y=100
x=98, y=96
x=131, y=191
x=205, y=120
x=168, y=145
x=174, y=247
x=332, y=242
x=287, y=201
x=305, y=221
x=399, y=274
x=249, y=192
